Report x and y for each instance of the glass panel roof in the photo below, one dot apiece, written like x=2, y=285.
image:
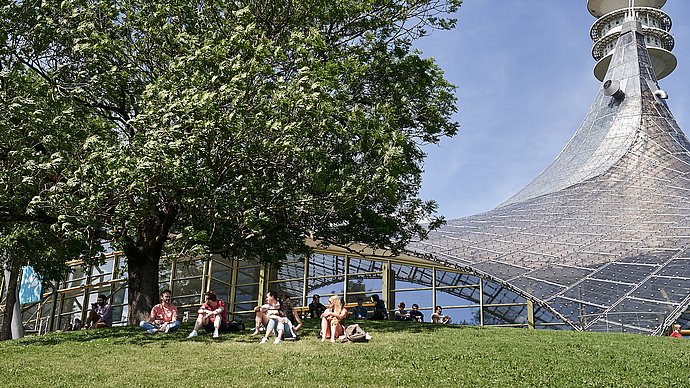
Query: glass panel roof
x=606, y=225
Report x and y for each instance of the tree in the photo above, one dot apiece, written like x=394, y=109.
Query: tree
x=39, y=146
x=245, y=127
x=356, y=286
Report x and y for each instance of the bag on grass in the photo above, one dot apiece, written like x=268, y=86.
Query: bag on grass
x=354, y=333
x=235, y=326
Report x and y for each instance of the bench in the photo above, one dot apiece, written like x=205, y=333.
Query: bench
x=304, y=310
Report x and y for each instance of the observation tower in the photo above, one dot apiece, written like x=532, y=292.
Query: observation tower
x=600, y=240
x=656, y=27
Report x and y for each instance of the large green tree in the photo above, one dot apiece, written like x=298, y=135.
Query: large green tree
x=41, y=138
x=244, y=127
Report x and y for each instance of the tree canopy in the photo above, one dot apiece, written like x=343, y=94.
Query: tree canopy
x=235, y=127
x=41, y=137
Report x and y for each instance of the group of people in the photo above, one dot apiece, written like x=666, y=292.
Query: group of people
x=379, y=312
x=413, y=315
x=275, y=317
x=417, y=316
x=316, y=309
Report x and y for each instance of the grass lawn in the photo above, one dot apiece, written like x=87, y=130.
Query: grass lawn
x=399, y=354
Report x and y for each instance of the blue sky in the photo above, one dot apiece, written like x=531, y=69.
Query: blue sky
x=524, y=74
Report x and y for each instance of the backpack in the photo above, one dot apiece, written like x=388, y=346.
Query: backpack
x=235, y=326
x=354, y=333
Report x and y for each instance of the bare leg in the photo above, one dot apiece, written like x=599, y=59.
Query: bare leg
x=200, y=321
x=270, y=328
x=217, y=322
x=334, y=328
x=259, y=319
x=325, y=329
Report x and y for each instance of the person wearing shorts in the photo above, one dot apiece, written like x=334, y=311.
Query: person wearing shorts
x=213, y=316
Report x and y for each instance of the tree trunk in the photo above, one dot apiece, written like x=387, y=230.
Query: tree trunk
x=142, y=282
x=143, y=260
x=10, y=302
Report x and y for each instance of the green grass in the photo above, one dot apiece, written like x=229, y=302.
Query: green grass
x=400, y=354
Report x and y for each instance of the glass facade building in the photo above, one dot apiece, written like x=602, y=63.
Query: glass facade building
x=244, y=284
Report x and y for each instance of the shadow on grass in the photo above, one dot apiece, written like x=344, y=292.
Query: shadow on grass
x=134, y=335
x=397, y=326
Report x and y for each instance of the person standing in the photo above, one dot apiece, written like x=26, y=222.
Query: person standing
x=163, y=316
x=213, y=316
x=100, y=315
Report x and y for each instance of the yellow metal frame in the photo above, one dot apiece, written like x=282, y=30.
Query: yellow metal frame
x=58, y=295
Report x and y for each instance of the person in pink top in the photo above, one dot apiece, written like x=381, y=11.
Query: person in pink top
x=163, y=316
x=213, y=316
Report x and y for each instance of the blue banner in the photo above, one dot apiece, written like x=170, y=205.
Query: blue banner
x=31, y=286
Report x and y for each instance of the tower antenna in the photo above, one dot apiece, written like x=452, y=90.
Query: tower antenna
x=633, y=14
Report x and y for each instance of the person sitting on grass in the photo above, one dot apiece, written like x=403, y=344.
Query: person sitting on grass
x=380, y=312
x=332, y=319
x=438, y=317
x=290, y=313
x=676, y=331
x=359, y=311
x=285, y=324
x=100, y=315
x=415, y=314
x=401, y=314
x=263, y=312
x=163, y=316
x=315, y=307
x=73, y=326
x=213, y=316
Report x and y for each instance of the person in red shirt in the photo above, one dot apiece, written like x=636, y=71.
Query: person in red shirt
x=163, y=316
x=676, y=331
x=213, y=316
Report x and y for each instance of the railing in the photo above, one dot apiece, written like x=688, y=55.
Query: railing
x=623, y=321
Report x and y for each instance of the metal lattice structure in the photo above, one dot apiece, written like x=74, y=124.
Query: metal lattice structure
x=601, y=237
